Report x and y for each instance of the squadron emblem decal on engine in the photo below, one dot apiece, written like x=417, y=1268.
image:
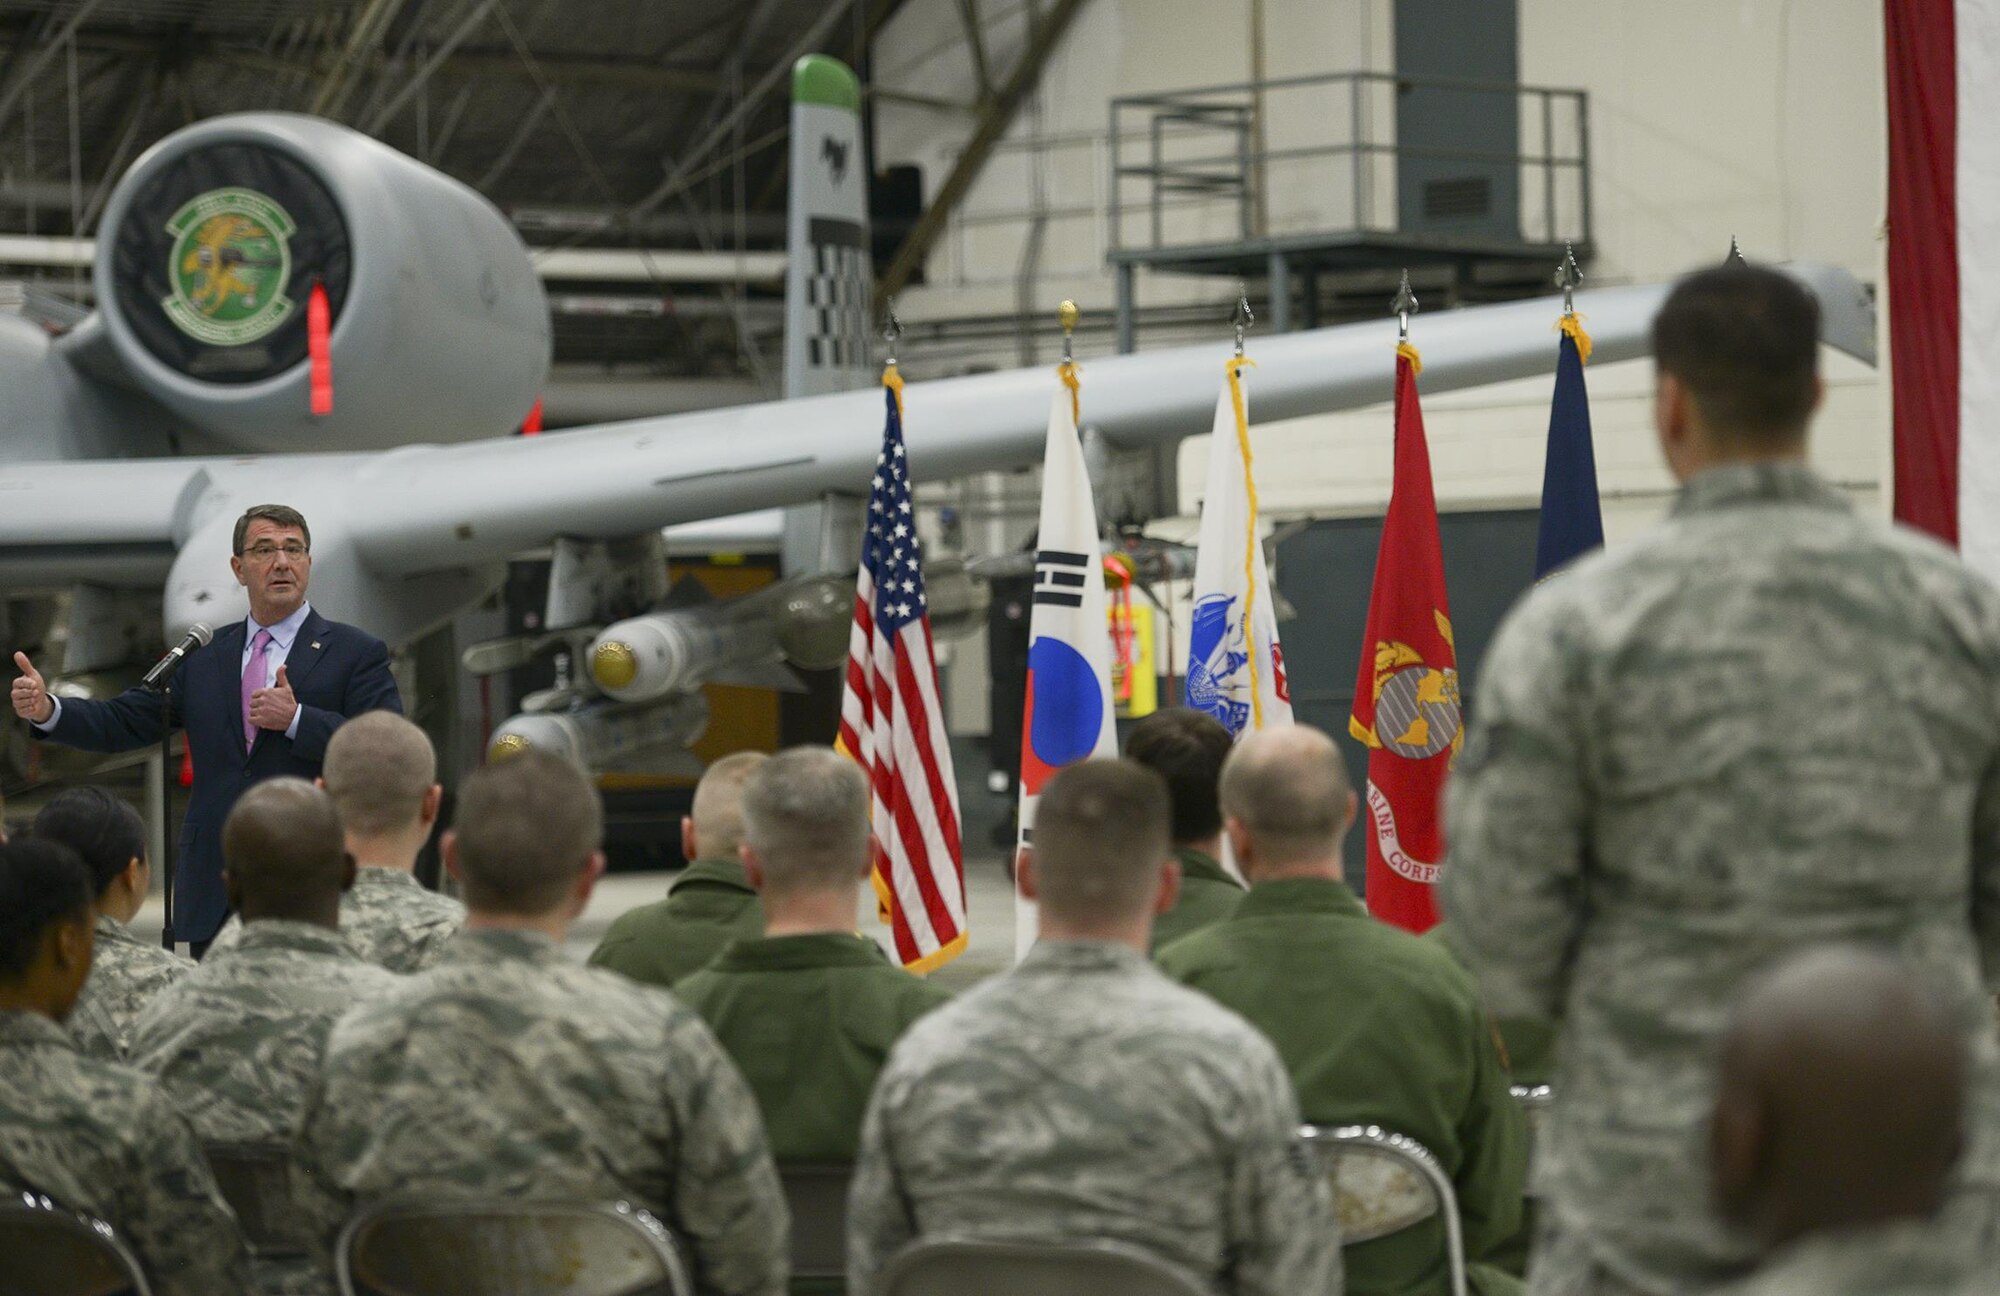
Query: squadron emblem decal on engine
x=229, y=266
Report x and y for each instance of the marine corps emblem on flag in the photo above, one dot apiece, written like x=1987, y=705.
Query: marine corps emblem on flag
x=1417, y=711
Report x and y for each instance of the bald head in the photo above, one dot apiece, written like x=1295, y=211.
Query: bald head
x=1840, y=1098
x=715, y=823
x=1286, y=802
x=1099, y=842
x=380, y=770
x=527, y=831
x=284, y=854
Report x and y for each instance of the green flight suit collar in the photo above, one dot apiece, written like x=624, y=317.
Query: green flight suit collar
x=490, y=945
x=1202, y=866
x=34, y=1030
x=799, y=953
x=294, y=937
x=1733, y=485
x=716, y=870
x=1081, y=957
x=1300, y=895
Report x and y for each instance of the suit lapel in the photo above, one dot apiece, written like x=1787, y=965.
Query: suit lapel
x=307, y=649
x=227, y=650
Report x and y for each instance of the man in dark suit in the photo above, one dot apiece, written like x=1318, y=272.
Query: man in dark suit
x=260, y=700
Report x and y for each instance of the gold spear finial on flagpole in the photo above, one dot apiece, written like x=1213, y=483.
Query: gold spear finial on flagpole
x=1069, y=314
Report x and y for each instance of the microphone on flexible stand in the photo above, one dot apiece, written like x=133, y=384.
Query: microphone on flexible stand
x=156, y=679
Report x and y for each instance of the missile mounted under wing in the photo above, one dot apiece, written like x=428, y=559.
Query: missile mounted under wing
x=135, y=438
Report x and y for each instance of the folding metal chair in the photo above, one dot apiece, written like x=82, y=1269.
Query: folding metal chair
x=1535, y=1102
x=817, y=1196
x=47, y=1250
x=948, y=1267
x=1385, y=1182
x=507, y=1248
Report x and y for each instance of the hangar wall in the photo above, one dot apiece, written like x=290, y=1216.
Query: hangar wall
x=1760, y=119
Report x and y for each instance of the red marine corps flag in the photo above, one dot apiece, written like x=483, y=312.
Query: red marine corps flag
x=1406, y=700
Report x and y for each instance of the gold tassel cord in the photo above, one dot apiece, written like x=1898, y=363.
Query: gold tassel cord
x=1408, y=352
x=1572, y=324
x=1072, y=378
x=1234, y=368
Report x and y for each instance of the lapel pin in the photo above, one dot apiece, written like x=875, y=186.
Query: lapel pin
x=315, y=645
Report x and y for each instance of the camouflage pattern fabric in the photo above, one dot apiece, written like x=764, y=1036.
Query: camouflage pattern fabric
x=1769, y=724
x=508, y=1071
x=1084, y=1097
x=101, y=1138
x=1890, y=1260
x=389, y=919
x=236, y=1044
x=125, y=974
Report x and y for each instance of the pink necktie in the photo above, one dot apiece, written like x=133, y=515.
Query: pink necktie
x=253, y=679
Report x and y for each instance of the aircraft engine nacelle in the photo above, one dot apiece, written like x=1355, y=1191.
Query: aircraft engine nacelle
x=215, y=240
x=603, y=735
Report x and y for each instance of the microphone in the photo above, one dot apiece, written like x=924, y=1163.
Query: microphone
x=156, y=679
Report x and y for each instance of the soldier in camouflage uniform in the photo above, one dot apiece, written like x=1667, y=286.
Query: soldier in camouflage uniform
x=1187, y=748
x=1839, y=1117
x=1771, y=722
x=127, y=972
x=94, y=1136
x=1083, y=1097
x=381, y=772
x=709, y=905
x=236, y=1044
x=507, y=1071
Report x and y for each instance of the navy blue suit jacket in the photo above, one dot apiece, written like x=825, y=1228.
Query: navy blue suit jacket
x=335, y=671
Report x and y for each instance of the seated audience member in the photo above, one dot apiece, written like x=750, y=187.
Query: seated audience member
x=381, y=772
x=505, y=1070
x=1083, y=1097
x=1186, y=748
x=91, y=1135
x=709, y=905
x=1375, y=1026
x=236, y=1043
x=1839, y=1117
x=810, y=1009
x=127, y=972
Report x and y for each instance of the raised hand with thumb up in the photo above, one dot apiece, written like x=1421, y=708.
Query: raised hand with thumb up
x=31, y=693
x=273, y=708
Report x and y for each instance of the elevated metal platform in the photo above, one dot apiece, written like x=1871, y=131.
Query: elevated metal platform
x=1346, y=176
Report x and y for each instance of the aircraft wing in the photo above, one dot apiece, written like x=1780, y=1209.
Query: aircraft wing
x=424, y=526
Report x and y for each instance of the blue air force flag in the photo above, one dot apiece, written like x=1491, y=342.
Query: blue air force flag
x=1068, y=714
x=1572, y=522
x=1235, y=669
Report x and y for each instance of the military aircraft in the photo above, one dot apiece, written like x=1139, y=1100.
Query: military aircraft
x=248, y=259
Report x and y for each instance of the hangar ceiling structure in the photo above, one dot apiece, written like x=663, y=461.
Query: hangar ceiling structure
x=607, y=125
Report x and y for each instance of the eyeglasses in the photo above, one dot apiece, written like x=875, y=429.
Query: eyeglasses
x=263, y=553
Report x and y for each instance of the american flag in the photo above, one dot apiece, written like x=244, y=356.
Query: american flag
x=892, y=722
